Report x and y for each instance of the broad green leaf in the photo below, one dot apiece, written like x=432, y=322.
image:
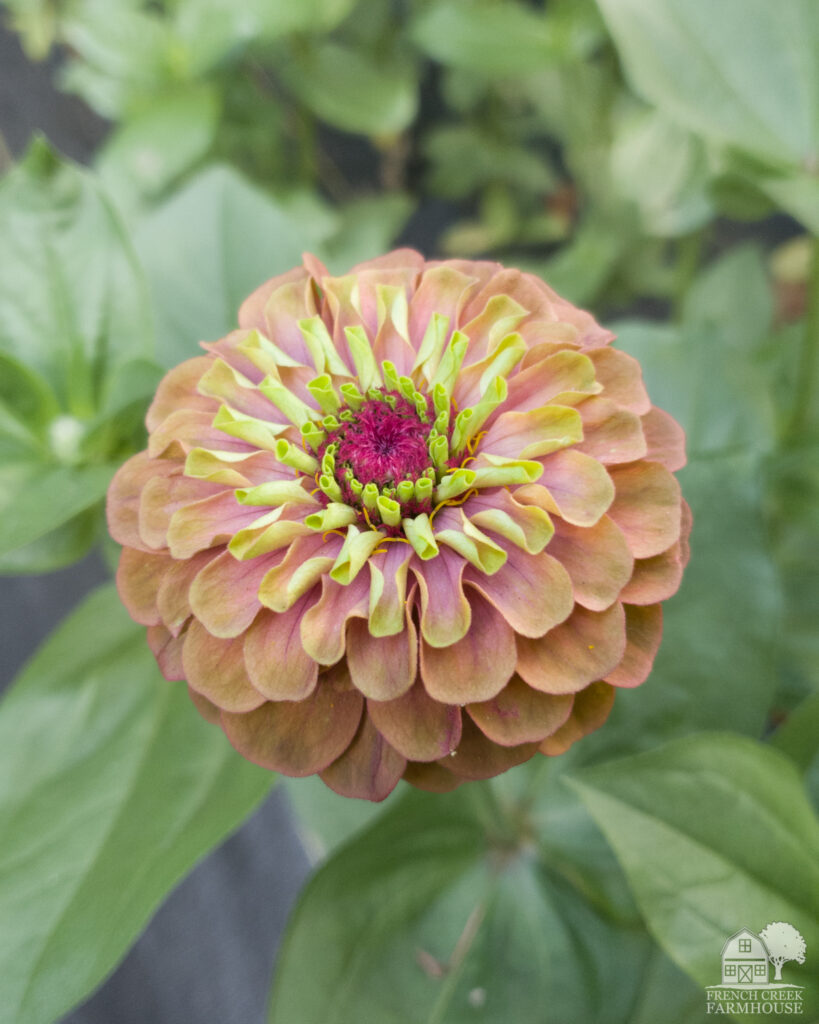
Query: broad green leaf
x=742, y=72
x=733, y=296
x=715, y=834
x=798, y=736
x=59, y=547
x=111, y=788
x=37, y=498
x=165, y=138
x=27, y=403
x=210, y=245
x=496, y=40
x=422, y=919
x=352, y=91
x=73, y=299
x=662, y=170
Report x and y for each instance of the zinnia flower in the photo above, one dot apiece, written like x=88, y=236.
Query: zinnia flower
x=412, y=522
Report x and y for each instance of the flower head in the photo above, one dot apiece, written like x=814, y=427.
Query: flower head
x=416, y=521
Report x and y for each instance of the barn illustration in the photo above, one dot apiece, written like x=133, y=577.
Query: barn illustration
x=745, y=960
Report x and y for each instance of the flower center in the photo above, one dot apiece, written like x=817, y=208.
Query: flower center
x=376, y=457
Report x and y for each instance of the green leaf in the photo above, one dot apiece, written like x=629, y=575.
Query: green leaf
x=27, y=403
x=73, y=299
x=37, y=498
x=208, y=247
x=662, y=170
x=742, y=72
x=495, y=40
x=715, y=834
x=58, y=548
x=160, y=142
x=351, y=90
x=797, y=736
x=427, y=917
x=325, y=820
x=111, y=788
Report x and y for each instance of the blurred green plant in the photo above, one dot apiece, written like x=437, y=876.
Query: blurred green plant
x=646, y=157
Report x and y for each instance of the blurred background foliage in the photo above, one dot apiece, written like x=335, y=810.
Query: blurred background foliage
x=654, y=160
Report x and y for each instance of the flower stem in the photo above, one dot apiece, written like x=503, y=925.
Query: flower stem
x=805, y=405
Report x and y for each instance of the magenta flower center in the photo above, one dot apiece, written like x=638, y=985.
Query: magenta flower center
x=383, y=444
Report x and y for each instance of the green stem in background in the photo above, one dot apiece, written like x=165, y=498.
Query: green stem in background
x=689, y=254
x=806, y=389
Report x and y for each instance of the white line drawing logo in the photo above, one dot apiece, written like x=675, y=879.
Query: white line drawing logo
x=747, y=960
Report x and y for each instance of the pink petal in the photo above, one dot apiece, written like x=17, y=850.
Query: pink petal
x=580, y=651
x=324, y=625
x=445, y=611
x=610, y=434
x=646, y=507
x=479, y=758
x=298, y=737
x=597, y=559
x=172, y=600
x=369, y=768
x=416, y=725
x=476, y=667
x=191, y=428
x=580, y=489
x=590, y=711
x=124, y=494
x=216, y=669
x=177, y=390
x=167, y=649
x=665, y=439
x=206, y=523
x=519, y=714
x=532, y=592
x=161, y=497
x=622, y=379
x=277, y=664
x=388, y=588
x=517, y=435
x=655, y=579
x=441, y=289
x=251, y=311
x=207, y=710
x=564, y=373
x=224, y=595
x=139, y=577
x=382, y=667
x=644, y=630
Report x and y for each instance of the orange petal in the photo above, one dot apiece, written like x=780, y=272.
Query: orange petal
x=369, y=768
x=644, y=630
x=578, y=488
x=161, y=497
x=205, y=708
x=646, y=507
x=519, y=714
x=277, y=664
x=590, y=711
x=382, y=667
x=532, y=592
x=597, y=559
x=216, y=669
x=581, y=650
x=416, y=725
x=475, y=667
x=298, y=737
x=479, y=758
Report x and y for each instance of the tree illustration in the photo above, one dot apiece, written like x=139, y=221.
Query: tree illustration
x=784, y=943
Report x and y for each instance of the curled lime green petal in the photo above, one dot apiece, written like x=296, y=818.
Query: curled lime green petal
x=286, y=402
x=365, y=365
x=333, y=517
x=275, y=493
x=296, y=458
x=321, y=348
x=354, y=553
x=419, y=533
x=455, y=483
